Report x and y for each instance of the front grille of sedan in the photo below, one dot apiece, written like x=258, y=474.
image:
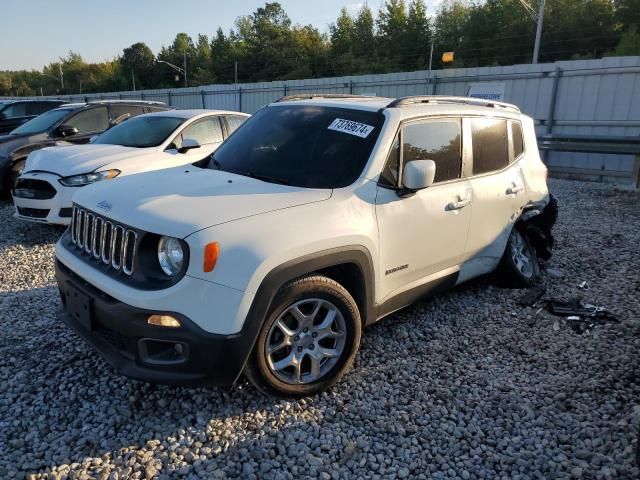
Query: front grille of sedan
x=36, y=189
x=103, y=241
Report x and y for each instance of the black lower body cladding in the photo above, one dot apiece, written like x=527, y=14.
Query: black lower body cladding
x=187, y=356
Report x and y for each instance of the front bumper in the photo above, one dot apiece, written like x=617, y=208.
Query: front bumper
x=55, y=210
x=186, y=355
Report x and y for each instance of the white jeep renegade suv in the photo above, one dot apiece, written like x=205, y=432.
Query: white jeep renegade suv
x=321, y=214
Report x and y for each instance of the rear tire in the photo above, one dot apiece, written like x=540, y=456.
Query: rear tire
x=308, y=341
x=519, y=266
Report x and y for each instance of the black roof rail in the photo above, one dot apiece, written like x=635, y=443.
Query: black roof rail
x=437, y=99
x=309, y=96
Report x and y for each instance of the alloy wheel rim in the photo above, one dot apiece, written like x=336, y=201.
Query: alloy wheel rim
x=521, y=254
x=306, y=341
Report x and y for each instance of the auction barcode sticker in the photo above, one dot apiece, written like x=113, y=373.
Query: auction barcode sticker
x=352, y=128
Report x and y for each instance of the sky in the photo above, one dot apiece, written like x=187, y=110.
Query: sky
x=34, y=33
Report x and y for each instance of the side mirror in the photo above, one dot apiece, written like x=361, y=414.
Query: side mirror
x=188, y=144
x=418, y=174
x=66, y=130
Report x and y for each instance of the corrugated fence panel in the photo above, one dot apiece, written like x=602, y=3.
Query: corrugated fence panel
x=594, y=97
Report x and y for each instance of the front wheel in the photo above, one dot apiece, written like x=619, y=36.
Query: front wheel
x=519, y=267
x=308, y=341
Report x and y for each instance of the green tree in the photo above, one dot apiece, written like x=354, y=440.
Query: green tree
x=364, y=42
x=180, y=50
x=417, y=41
x=392, y=30
x=139, y=60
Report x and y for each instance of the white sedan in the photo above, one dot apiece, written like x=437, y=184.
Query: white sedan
x=147, y=142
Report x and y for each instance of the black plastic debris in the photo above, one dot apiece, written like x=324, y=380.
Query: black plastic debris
x=581, y=317
x=531, y=297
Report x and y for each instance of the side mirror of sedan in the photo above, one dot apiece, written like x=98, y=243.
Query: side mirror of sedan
x=188, y=144
x=66, y=130
x=418, y=174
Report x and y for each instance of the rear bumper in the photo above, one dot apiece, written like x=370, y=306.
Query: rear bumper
x=186, y=355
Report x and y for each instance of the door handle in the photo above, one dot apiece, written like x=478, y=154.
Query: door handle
x=515, y=189
x=461, y=203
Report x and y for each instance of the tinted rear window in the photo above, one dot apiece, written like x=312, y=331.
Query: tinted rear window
x=490, y=144
x=302, y=145
x=518, y=141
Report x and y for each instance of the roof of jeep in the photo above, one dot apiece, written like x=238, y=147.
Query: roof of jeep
x=445, y=106
x=372, y=104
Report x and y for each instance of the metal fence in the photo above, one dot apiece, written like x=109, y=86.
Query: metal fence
x=580, y=97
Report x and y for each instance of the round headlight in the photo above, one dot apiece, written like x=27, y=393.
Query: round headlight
x=170, y=255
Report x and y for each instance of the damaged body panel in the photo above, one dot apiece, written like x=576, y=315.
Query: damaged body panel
x=537, y=225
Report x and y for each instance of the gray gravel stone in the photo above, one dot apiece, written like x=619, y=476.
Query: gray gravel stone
x=466, y=385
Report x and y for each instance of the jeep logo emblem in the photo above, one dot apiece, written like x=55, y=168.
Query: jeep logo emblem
x=104, y=205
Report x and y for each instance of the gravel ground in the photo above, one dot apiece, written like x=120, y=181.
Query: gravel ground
x=468, y=385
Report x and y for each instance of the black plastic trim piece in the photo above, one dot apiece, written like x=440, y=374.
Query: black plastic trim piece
x=411, y=296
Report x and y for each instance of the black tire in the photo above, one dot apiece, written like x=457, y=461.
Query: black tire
x=12, y=174
x=295, y=294
x=511, y=271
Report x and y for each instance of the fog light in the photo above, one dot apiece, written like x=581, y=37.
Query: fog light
x=163, y=321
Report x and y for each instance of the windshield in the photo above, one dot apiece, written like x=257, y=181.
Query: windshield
x=140, y=132
x=42, y=122
x=301, y=145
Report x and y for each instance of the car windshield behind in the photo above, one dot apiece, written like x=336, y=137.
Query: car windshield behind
x=301, y=145
x=42, y=122
x=141, y=132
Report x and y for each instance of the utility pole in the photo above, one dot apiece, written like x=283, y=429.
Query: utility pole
x=184, y=66
x=536, y=48
x=61, y=75
x=430, y=64
x=133, y=81
x=236, y=73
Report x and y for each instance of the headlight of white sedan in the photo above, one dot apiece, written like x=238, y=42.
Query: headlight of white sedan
x=87, y=178
x=170, y=255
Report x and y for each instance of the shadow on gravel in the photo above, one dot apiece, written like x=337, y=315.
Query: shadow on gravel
x=465, y=382
x=23, y=233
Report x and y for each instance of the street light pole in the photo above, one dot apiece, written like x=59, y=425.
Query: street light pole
x=177, y=69
x=536, y=48
x=185, y=67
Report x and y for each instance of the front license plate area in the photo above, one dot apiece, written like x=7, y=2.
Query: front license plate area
x=79, y=306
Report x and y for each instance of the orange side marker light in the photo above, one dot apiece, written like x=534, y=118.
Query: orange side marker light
x=211, y=252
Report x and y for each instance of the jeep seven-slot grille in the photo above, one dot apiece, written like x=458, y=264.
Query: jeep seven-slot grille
x=103, y=240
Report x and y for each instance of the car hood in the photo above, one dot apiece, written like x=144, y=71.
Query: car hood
x=180, y=201
x=78, y=159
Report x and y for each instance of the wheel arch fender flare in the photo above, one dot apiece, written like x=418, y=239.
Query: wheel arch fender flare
x=295, y=268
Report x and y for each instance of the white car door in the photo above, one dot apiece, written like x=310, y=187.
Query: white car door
x=206, y=131
x=422, y=236
x=498, y=193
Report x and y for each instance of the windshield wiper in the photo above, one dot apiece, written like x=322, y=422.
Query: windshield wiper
x=264, y=178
